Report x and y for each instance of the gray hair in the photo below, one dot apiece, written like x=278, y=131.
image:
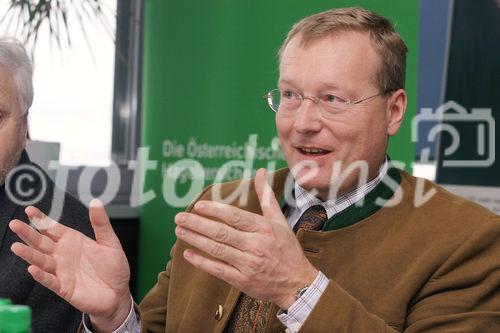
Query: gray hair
x=15, y=59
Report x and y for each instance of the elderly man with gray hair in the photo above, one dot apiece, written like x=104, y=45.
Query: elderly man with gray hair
x=24, y=183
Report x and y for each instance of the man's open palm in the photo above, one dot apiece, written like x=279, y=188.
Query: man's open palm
x=93, y=276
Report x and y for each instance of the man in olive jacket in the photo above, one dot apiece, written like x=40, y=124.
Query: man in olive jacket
x=340, y=242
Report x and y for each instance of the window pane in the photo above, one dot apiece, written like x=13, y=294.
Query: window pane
x=74, y=86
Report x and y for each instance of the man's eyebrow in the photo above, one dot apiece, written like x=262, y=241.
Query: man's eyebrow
x=285, y=81
x=330, y=85
x=326, y=85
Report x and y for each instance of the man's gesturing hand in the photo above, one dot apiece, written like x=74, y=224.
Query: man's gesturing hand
x=93, y=276
x=258, y=255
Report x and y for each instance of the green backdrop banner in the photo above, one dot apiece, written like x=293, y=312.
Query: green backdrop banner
x=207, y=65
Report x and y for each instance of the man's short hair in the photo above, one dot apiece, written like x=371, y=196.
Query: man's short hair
x=15, y=59
x=386, y=40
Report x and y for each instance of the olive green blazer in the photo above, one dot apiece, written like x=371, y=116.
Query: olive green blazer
x=431, y=268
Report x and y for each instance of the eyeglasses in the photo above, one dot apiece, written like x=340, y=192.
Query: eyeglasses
x=288, y=102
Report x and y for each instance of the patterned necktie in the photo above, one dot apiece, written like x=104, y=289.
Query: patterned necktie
x=313, y=219
x=251, y=315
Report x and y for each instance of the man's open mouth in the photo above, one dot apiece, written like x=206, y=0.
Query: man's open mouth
x=313, y=151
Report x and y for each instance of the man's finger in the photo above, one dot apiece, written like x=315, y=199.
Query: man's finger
x=31, y=237
x=47, y=280
x=217, y=231
x=216, y=268
x=217, y=250
x=235, y=217
x=101, y=225
x=44, y=224
x=34, y=257
x=268, y=203
x=103, y=230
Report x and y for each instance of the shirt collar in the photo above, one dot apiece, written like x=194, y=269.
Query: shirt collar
x=304, y=199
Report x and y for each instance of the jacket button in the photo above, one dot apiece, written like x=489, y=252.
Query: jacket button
x=219, y=312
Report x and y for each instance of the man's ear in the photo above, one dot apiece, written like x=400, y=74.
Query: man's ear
x=396, y=108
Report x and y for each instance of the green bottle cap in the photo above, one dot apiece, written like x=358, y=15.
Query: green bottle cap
x=5, y=301
x=15, y=319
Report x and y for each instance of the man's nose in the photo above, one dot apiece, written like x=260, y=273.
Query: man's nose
x=308, y=117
